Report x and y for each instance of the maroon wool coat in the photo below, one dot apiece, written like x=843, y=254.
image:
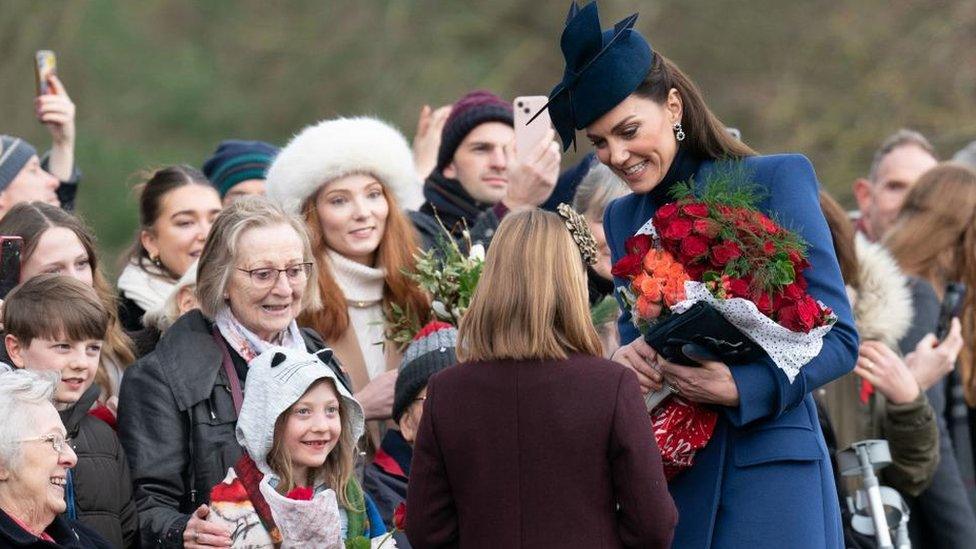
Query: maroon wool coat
x=537, y=454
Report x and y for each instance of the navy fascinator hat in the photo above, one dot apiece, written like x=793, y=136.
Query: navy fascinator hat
x=602, y=69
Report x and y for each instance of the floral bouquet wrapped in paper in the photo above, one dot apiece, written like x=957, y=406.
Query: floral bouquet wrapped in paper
x=712, y=277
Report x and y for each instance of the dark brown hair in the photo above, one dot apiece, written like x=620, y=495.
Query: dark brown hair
x=842, y=231
x=705, y=133
x=52, y=306
x=151, y=193
x=29, y=220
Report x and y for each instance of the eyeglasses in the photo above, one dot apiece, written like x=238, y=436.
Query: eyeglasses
x=265, y=277
x=58, y=442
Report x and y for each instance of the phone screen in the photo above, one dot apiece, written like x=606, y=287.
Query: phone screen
x=45, y=64
x=952, y=303
x=10, y=248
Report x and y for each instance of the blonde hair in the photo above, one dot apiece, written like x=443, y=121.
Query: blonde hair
x=598, y=188
x=531, y=301
x=934, y=238
x=339, y=465
x=221, y=249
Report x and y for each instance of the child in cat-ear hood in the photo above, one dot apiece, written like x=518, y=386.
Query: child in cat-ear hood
x=295, y=484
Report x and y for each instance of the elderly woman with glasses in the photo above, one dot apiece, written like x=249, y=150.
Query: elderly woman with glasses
x=179, y=404
x=35, y=461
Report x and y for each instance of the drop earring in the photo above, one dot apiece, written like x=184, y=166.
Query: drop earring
x=679, y=133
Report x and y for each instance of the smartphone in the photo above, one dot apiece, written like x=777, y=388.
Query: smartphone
x=952, y=303
x=10, y=248
x=527, y=136
x=45, y=64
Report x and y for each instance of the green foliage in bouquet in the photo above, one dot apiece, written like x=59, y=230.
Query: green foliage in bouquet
x=449, y=277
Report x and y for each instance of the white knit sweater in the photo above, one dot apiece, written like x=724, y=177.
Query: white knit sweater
x=363, y=288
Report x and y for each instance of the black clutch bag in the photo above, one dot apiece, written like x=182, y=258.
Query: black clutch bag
x=701, y=333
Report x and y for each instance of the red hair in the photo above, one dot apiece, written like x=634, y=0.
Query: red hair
x=394, y=255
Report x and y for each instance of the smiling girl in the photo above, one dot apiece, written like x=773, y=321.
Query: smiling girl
x=177, y=206
x=295, y=484
x=57, y=242
x=345, y=177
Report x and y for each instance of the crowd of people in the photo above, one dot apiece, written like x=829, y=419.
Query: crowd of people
x=238, y=384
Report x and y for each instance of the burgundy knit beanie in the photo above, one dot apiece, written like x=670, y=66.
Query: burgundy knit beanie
x=470, y=111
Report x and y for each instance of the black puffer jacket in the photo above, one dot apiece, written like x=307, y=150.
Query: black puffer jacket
x=177, y=422
x=67, y=534
x=103, y=487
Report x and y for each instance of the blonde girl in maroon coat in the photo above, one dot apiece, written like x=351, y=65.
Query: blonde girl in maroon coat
x=534, y=440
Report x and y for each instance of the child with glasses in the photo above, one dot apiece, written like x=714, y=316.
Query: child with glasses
x=57, y=323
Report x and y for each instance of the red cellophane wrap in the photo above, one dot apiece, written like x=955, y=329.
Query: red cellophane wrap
x=681, y=428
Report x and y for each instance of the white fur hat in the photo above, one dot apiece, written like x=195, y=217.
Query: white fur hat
x=335, y=148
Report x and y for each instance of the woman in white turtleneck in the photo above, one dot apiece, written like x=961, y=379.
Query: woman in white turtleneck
x=346, y=177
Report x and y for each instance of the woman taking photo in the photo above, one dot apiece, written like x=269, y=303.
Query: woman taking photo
x=649, y=123
x=534, y=440
x=177, y=206
x=346, y=177
x=179, y=404
x=934, y=240
x=58, y=242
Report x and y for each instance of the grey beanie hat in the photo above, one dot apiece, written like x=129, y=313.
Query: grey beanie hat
x=14, y=153
x=431, y=350
x=276, y=379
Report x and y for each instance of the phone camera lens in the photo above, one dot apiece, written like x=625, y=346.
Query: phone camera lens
x=520, y=104
x=527, y=111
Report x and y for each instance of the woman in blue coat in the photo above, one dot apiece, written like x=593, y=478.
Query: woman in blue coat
x=764, y=479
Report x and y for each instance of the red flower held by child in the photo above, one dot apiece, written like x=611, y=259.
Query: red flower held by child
x=301, y=493
x=400, y=517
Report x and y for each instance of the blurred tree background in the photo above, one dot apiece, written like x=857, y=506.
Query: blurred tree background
x=159, y=82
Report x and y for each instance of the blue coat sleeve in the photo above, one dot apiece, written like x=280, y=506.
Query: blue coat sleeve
x=628, y=332
x=793, y=201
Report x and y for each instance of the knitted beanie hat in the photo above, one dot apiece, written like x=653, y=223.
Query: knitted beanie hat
x=431, y=350
x=469, y=112
x=276, y=379
x=235, y=161
x=336, y=148
x=14, y=153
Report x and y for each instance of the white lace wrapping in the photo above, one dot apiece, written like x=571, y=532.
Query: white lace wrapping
x=789, y=350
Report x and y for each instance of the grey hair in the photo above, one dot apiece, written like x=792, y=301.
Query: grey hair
x=598, y=188
x=217, y=261
x=21, y=391
x=901, y=138
x=967, y=155
x=163, y=316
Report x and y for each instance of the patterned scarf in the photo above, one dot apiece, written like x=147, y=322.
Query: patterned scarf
x=247, y=344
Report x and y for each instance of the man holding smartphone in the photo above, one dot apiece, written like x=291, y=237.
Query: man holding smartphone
x=478, y=177
x=24, y=176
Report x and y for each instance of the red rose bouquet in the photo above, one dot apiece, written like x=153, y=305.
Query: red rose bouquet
x=741, y=273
